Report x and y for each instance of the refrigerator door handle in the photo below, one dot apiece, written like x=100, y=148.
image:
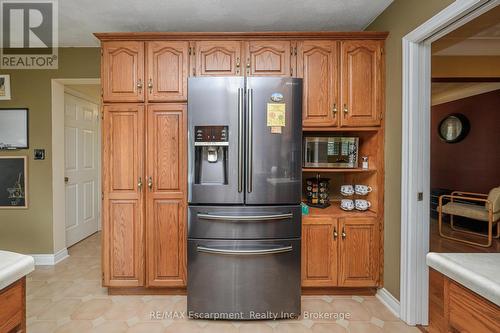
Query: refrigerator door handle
x=249, y=139
x=245, y=217
x=245, y=252
x=240, y=139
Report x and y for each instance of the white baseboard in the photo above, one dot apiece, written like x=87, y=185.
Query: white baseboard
x=50, y=259
x=389, y=301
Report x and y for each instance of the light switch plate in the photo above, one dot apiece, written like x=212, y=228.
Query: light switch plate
x=39, y=154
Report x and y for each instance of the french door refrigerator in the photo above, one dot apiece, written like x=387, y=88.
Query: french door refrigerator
x=244, y=192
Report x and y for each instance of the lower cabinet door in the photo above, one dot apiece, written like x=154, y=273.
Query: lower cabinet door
x=319, y=251
x=359, y=252
x=166, y=245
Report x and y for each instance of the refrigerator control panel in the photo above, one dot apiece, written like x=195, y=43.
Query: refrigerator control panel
x=211, y=135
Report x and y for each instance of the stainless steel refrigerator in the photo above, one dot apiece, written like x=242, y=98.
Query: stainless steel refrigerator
x=244, y=179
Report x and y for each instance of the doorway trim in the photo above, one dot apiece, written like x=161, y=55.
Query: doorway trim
x=58, y=189
x=415, y=177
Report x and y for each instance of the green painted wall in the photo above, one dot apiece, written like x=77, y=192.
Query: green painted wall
x=400, y=18
x=30, y=230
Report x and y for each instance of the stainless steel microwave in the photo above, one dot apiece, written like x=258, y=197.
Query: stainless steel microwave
x=330, y=152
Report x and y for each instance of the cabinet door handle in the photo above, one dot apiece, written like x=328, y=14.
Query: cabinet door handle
x=335, y=234
x=150, y=85
x=334, y=110
x=139, y=85
x=346, y=110
x=248, y=66
x=343, y=233
x=139, y=183
x=238, y=65
x=150, y=183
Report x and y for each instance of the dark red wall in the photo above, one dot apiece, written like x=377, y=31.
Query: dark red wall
x=472, y=164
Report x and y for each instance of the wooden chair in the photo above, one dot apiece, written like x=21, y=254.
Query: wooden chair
x=489, y=213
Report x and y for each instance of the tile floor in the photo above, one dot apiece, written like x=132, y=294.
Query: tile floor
x=69, y=298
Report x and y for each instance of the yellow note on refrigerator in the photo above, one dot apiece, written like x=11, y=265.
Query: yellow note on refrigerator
x=276, y=114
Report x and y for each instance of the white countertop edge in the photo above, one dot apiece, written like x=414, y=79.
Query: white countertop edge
x=472, y=280
x=15, y=271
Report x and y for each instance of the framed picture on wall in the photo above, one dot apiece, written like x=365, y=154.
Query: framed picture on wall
x=13, y=182
x=4, y=87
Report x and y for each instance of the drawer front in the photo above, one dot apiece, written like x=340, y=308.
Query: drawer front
x=469, y=312
x=244, y=222
x=11, y=305
x=244, y=276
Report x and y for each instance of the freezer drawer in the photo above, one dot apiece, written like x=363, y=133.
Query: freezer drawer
x=243, y=279
x=244, y=222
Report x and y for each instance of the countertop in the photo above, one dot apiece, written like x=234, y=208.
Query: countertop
x=14, y=266
x=479, y=272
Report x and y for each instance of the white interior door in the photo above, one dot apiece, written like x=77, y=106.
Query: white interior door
x=81, y=131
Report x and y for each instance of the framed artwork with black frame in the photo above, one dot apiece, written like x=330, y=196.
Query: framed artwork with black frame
x=13, y=182
x=14, y=128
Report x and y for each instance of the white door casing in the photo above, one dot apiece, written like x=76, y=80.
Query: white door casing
x=81, y=132
x=416, y=152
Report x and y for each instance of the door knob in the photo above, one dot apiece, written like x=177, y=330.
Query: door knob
x=139, y=85
x=346, y=110
x=343, y=233
x=150, y=85
x=334, y=110
x=150, y=183
x=335, y=234
x=139, y=183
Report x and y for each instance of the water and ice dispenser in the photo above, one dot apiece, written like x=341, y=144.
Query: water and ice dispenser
x=211, y=154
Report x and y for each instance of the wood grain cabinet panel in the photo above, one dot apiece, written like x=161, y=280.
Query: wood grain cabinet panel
x=122, y=71
x=319, y=252
x=361, y=67
x=166, y=234
x=317, y=64
x=123, y=237
x=359, y=252
x=268, y=58
x=167, y=70
x=218, y=58
x=166, y=197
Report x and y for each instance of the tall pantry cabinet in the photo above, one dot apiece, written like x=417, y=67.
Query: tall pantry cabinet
x=144, y=163
x=144, y=188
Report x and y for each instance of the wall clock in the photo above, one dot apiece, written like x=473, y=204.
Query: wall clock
x=454, y=128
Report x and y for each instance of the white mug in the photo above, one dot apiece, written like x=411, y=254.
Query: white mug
x=362, y=204
x=362, y=189
x=347, y=204
x=347, y=189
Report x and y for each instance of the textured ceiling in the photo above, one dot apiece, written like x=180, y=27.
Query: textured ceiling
x=78, y=19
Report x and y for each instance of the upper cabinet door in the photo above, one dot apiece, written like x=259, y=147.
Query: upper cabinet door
x=218, y=58
x=122, y=71
x=359, y=252
x=268, y=58
x=167, y=71
x=361, y=83
x=317, y=64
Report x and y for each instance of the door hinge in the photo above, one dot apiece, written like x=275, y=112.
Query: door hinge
x=102, y=196
x=420, y=196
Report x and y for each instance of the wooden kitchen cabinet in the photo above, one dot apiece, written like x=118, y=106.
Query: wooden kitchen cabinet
x=122, y=176
x=359, y=252
x=317, y=64
x=166, y=162
x=361, y=83
x=269, y=58
x=218, y=58
x=167, y=70
x=319, y=251
x=122, y=71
